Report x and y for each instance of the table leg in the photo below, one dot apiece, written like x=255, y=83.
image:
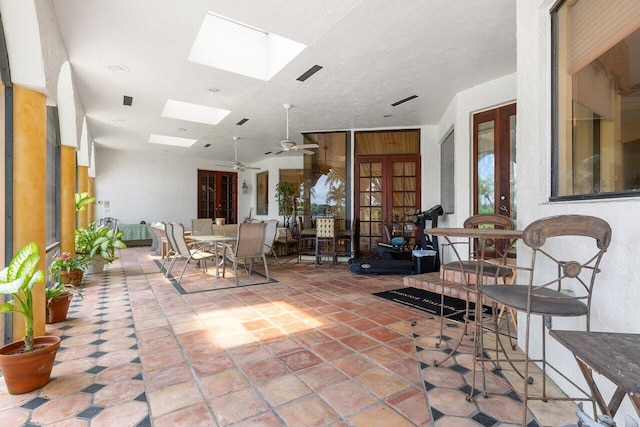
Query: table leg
x=595, y=392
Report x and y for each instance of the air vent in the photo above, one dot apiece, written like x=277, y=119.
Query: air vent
x=241, y=122
x=402, y=101
x=310, y=72
x=207, y=145
x=128, y=100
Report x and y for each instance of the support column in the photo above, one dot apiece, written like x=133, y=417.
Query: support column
x=29, y=189
x=67, y=199
x=83, y=187
x=91, y=209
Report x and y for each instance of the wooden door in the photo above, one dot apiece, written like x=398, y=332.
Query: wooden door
x=494, y=155
x=217, y=195
x=387, y=190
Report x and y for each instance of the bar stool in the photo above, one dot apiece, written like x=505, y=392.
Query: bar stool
x=325, y=240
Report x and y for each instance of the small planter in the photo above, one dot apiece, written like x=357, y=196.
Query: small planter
x=57, y=308
x=95, y=265
x=25, y=372
x=71, y=277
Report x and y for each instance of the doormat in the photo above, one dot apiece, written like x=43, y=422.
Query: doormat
x=430, y=302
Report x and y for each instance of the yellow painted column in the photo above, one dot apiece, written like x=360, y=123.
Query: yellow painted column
x=91, y=209
x=83, y=187
x=67, y=199
x=29, y=189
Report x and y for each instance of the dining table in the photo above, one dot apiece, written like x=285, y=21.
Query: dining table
x=215, y=240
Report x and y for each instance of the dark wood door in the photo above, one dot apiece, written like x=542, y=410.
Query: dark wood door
x=387, y=193
x=217, y=195
x=494, y=156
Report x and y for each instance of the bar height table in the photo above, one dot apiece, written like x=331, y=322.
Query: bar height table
x=616, y=356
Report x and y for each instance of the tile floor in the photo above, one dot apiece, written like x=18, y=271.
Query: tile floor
x=311, y=348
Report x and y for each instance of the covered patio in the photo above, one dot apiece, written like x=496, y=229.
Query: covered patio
x=313, y=348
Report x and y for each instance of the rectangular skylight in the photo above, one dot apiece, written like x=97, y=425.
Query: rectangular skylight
x=242, y=49
x=171, y=140
x=193, y=112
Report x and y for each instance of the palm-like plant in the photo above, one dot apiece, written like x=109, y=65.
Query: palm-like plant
x=100, y=240
x=18, y=279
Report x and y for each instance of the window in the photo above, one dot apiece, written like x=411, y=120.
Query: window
x=596, y=87
x=262, y=193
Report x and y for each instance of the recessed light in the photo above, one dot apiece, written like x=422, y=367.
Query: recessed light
x=388, y=115
x=182, y=129
x=214, y=89
x=117, y=68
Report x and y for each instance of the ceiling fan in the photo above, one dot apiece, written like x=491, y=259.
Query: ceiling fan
x=290, y=145
x=236, y=165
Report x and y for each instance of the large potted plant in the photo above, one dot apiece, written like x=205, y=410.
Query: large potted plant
x=68, y=269
x=285, y=194
x=97, y=244
x=59, y=297
x=26, y=365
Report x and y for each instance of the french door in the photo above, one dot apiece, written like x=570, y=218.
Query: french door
x=494, y=156
x=387, y=192
x=217, y=195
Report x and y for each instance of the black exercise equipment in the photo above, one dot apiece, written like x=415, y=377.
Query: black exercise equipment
x=424, y=254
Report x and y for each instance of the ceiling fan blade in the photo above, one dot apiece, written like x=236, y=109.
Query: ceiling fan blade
x=251, y=167
x=308, y=146
x=307, y=151
x=277, y=151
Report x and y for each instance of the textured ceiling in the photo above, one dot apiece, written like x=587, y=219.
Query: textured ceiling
x=373, y=53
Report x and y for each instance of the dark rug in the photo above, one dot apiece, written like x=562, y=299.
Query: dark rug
x=430, y=302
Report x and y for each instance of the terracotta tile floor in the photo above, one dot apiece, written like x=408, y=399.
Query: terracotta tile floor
x=311, y=348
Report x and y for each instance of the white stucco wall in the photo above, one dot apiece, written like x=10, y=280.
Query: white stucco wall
x=459, y=116
x=616, y=296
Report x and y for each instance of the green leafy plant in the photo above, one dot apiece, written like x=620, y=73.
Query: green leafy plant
x=60, y=289
x=98, y=240
x=18, y=280
x=66, y=262
x=82, y=200
x=285, y=194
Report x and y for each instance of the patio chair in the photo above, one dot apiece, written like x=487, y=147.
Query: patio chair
x=470, y=260
x=248, y=247
x=270, y=237
x=325, y=240
x=184, y=250
x=201, y=226
x=557, y=286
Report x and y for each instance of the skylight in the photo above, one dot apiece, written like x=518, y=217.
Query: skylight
x=193, y=112
x=171, y=140
x=242, y=49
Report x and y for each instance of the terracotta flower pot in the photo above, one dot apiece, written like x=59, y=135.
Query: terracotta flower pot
x=71, y=277
x=58, y=307
x=25, y=372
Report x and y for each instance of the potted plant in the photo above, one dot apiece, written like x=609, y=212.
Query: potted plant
x=59, y=297
x=97, y=244
x=285, y=194
x=67, y=269
x=26, y=365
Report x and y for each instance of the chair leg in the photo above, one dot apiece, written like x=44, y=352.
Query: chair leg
x=266, y=267
x=235, y=270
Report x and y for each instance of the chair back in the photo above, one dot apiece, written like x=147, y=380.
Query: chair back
x=168, y=231
x=271, y=231
x=201, y=226
x=325, y=228
x=497, y=249
x=178, y=238
x=250, y=243
x=552, y=240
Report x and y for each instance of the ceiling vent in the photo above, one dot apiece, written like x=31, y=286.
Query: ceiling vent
x=207, y=145
x=402, y=101
x=128, y=101
x=310, y=72
x=241, y=122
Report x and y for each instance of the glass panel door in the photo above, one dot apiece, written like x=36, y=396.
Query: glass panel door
x=217, y=195
x=495, y=161
x=387, y=195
